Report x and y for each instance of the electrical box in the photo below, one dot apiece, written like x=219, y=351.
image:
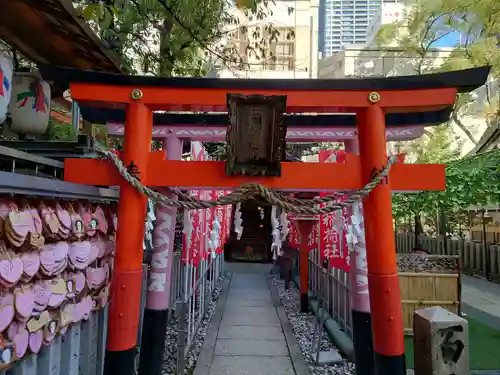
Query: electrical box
x=441, y=342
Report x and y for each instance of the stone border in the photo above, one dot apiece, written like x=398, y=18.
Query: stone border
x=481, y=316
x=204, y=361
x=334, y=330
x=296, y=357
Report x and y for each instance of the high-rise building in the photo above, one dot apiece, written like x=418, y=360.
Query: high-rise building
x=345, y=23
x=291, y=53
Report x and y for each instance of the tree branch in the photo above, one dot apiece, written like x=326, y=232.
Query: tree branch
x=461, y=125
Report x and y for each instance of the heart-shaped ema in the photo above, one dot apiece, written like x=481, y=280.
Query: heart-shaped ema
x=63, y=216
x=43, y=292
x=20, y=222
x=11, y=270
x=36, y=341
x=24, y=301
x=12, y=330
x=79, y=254
x=31, y=263
x=79, y=281
x=6, y=316
x=37, y=221
x=20, y=343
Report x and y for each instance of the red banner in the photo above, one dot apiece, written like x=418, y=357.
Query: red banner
x=196, y=247
x=196, y=236
x=313, y=238
x=331, y=247
x=293, y=233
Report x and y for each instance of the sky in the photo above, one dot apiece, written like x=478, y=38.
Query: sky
x=450, y=40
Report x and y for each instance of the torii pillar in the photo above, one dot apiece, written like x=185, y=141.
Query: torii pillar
x=123, y=319
x=407, y=94
x=383, y=281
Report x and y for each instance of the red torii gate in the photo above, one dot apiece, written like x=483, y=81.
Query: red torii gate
x=369, y=98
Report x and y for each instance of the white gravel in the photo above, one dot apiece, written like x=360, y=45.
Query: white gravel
x=303, y=329
x=170, y=358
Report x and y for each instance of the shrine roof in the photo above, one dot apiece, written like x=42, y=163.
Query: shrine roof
x=464, y=80
x=110, y=115
x=50, y=32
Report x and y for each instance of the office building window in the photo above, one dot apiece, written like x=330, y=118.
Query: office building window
x=282, y=50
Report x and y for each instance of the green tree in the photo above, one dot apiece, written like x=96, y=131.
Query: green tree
x=428, y=21
x=469, y=181
x=177, y=37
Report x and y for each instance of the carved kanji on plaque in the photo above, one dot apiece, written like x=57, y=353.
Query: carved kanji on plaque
x=256, y=135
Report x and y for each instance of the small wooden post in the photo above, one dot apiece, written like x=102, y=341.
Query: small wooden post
x=305, y=225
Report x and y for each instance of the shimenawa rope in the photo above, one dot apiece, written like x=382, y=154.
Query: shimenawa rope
x=250, y=191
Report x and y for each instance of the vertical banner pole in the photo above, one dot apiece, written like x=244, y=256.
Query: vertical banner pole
x=159, y=282
x=383, y=281
x=126, y=283
x=360, y=298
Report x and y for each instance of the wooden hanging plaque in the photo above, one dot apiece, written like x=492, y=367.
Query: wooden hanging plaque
x=256, y=135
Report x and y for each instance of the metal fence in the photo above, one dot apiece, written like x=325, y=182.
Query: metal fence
x=336, y=292
x=198, y=285
x=79, y=351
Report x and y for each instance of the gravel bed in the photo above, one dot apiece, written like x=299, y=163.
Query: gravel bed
x=303, y=329
x=426, y=263
x=170, y=358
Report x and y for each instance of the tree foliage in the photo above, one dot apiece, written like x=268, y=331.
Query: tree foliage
x=177, y=37
x=477, y=23
x=471, y=181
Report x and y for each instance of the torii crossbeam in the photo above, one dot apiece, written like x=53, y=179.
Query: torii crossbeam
x=370, y=99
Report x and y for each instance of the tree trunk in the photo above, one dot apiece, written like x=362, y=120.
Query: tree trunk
x=419, y=229
x=166, y=65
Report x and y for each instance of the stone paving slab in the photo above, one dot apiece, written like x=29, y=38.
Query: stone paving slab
x=250, y=297
x=257, y=302
x=249, y=336
x=249, y=319
x=251, y=347
x=256, y=310
x=250, y=332
x=248, y=293
x=223, y=365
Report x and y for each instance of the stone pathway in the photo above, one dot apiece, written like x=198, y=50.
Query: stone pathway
x=250, y=339
x=481, y=300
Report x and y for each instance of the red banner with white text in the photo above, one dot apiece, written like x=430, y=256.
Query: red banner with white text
x=195, y=248
x=333, y=246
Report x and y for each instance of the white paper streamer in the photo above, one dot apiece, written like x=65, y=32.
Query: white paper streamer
x=149, y=226
x=355, y=232
x=213, y=241
x=276, y=233
x=238, y=227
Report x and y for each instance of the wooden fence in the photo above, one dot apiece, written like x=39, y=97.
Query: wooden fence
x=475, y=257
